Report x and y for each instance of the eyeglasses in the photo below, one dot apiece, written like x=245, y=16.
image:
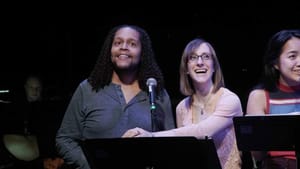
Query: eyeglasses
x=195, y=58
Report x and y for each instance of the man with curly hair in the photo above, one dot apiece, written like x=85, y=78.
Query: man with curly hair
x=114, y=98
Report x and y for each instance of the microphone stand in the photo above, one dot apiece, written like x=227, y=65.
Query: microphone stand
x=153, y=127
x=151, y=83
x=152, y=109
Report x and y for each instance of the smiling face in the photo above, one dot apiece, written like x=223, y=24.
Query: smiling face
x=289, y=63
x=126, y=49
x=200, y=65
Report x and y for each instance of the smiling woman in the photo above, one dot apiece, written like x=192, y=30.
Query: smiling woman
x=278, y=91
x=208, y=108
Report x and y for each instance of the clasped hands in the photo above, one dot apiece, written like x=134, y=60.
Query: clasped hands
x=137, y=132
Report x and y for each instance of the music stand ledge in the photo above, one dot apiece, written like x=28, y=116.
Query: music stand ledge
x=151, y=153
x=268, y=133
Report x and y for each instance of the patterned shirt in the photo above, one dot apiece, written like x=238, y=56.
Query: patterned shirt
x=284, y=100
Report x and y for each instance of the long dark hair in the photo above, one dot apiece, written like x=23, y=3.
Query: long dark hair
x=270, y=75
x=102, y=73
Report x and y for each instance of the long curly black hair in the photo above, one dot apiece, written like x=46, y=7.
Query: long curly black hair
x=101, y=74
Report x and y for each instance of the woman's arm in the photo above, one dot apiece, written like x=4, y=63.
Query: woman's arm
x=256, y=105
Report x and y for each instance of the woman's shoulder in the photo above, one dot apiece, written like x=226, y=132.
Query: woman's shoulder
x=229, y=100
x=184, y=102
x=227, y=92
x=183, y=106
x=229, y=95
x=257, y=93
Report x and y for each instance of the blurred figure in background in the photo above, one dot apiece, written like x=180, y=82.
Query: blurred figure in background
x=32, y=124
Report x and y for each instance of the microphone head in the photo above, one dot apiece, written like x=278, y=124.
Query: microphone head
x=151, y=82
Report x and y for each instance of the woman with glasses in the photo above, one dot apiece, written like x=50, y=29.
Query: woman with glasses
x=208, y=108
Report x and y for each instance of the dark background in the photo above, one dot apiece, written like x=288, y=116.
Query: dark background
x=62, y=43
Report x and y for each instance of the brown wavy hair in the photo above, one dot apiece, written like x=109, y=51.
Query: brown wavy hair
x=101, y=74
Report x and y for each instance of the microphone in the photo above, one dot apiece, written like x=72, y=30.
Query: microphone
x=151, y=83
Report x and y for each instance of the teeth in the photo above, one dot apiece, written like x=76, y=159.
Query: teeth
x=201, y=71
x=123, y=56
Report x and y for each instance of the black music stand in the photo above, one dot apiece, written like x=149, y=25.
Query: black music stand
x=151, y=153
x=268, y=133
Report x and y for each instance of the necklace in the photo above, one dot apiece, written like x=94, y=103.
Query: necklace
x=198, y=110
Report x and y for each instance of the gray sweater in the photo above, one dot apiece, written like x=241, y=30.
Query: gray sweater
x=105, y=114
